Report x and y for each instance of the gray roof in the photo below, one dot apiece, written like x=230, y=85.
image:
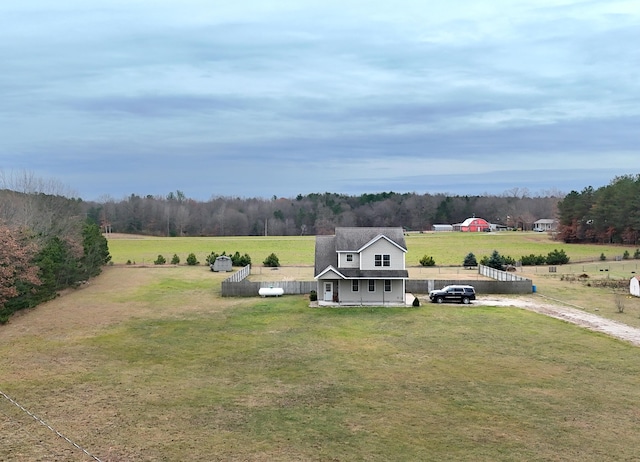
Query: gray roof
x=353, y=239
x=325, y=253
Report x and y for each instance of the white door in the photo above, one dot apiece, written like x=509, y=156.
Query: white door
x=328, y=291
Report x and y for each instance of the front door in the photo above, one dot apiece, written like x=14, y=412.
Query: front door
x=328, y=291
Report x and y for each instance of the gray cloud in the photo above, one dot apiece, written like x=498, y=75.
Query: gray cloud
x=117, y=97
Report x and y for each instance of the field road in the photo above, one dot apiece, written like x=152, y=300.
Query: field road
x=540, y=304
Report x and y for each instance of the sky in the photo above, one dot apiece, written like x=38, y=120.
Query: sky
x=264, y=98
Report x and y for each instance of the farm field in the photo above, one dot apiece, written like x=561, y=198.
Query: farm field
x=447, y=249
x=151, y=364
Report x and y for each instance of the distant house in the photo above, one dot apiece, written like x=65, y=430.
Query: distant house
x=472, y=225
x=545, y=224
x=634, y=286
x=361, y=266
x=442, y=227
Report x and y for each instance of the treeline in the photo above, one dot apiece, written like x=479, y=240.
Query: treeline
x=46, y=244
x=610, y=214
x=177, y=215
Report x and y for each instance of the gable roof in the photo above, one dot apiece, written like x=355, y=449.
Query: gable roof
x=355, y=239
x=350, y=239
x=468, y=221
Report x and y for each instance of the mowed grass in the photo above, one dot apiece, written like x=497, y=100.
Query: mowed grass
x=144, y=250
x=446, y=248
x=151, y=364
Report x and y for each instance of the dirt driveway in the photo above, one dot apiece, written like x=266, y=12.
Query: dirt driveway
x=542, y=305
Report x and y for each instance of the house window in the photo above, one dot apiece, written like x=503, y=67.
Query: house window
x=355, y=286
x=382, y=260
x=349, y=257
x=372, y=285
x=387, y=285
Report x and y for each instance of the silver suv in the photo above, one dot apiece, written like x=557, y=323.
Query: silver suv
x=460, y=294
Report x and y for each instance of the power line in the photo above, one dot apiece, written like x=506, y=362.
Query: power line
x=39, y=420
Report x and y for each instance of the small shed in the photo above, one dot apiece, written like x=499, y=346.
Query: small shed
x=222, y=263
x=442, y=227
x=634, y=286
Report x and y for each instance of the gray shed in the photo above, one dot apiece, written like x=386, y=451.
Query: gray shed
x=222, y=263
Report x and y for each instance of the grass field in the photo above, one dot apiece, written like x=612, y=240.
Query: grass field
x=446, y=248
x=150, y=363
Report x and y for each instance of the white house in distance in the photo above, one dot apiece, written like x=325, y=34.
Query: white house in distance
x=634, y=286
x=361, y=266
x=544, y=224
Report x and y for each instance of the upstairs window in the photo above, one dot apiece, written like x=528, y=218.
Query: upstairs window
x=349, y=257
x=382, y=260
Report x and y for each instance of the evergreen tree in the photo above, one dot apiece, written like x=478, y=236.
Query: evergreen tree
x=192, y=260
x=470, y=260
x=495, y=261
x=271, y=261
x=96, y=250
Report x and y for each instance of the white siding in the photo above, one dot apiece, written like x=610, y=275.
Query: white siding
x=378, y=297
x=343, y=263
x=382, y=247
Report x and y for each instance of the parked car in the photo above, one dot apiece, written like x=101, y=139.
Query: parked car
x=454, y=293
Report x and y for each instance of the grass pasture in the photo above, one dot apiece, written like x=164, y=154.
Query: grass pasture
x=151, y=364
x=446, y=248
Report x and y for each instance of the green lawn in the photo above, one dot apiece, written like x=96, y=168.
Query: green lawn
x=446, y=248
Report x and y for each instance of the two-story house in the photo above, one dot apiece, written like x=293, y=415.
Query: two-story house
x=361, y=266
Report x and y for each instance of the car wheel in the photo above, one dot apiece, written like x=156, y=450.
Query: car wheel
x=466, y=300
x=439, y=300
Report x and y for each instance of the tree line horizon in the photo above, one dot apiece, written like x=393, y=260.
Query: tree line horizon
x=317, y=213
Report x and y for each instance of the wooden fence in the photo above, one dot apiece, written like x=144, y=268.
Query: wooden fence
x=250, y=289
x=504, y=283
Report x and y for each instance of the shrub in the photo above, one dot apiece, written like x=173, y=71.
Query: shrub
x=240, y=260
x=271, y=261
x=175, y=260
x=619, y=300
x=636, y=254
x=427, y=261
x=603, y=257
x=128, y=262
x=557, y=257
x=533, y=260
x=507, y=260
x=470, y=260
x=192, y=260
x=313, y=296
x=625, y=255
x=160, y=260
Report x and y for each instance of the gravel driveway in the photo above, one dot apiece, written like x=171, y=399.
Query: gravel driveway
x=539, y=304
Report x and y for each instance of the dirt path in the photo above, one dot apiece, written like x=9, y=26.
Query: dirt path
x=539, y=304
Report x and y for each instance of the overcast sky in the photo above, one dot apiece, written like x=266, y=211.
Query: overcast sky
x=258, y=98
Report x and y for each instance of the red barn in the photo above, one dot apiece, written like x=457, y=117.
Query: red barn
x=474, y=225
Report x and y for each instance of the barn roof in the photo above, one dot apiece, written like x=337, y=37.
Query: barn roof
x=468, y=221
